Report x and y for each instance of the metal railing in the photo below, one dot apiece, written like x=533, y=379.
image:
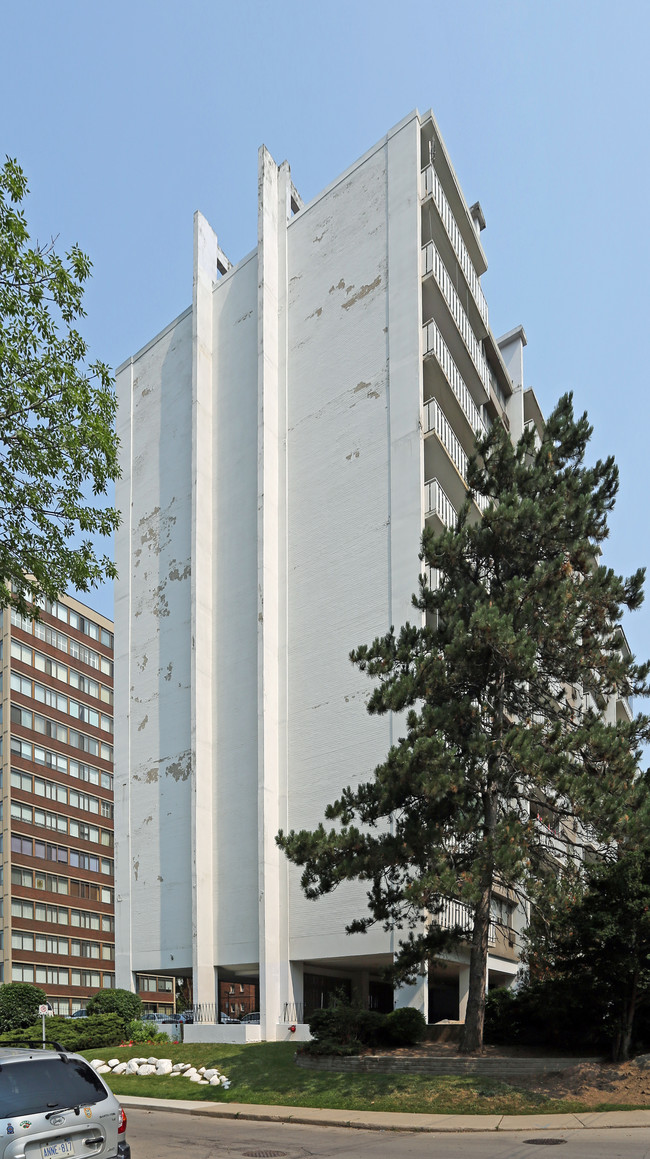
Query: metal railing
x=458, y=915
x=433, y=264
x=435, y=344
x=436, y=502
x=435, y=420
x=293, y=1012
x=430, y=184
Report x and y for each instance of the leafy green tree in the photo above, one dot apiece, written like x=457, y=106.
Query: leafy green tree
x=597, y=947
x=501, y=683
x=57, y=442
x=122, y=1002
x=19, y=1003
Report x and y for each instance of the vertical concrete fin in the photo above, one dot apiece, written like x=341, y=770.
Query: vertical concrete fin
x=206, y=257
x=274, y=192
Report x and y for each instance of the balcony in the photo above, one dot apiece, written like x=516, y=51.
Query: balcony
x=435, y=344
x=430, y=185
x=436, y=502
x=436, y=422
x=458, y=914
x=433, y=265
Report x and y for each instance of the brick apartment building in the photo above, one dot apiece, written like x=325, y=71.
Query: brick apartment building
x=57, y=874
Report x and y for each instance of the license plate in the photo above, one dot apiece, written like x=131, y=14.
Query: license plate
x=54, y=1150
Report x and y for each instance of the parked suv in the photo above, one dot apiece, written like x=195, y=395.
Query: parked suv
x=53, y=1104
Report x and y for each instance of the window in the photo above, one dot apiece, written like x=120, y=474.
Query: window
x=107, y=837
x=22, y=876
x=21, y=973
x=79, y=949
x=51, y=820
x=51, y=790
x=50, y=635
x=108, y=951
x=106, y=723
x=107, y=809
x=84, y=801
x=107, y=895
x=21, y=781
x=84, y=920
x=22, y=748
x=22, y=622
x=84, y=831
x=60, y=1006
x=50, y=667
x=87, y=744
x=21, y=716
x=50, y=760
x=85, y=772
x=109, y=981
x=107, y=866
x=84, y=683
x=85, y=978
x=51, y=698
x=47, y=945
x=51, y=976
x=107, y=780
x=84, y=861
x=21, y=845
x=88, y=889
x=21, y=909
x=21, y=941
x=106, y=694
x=106, y=752
x=20, y=684
x=20, y=812
x=108, y=924
x=21, y=652
x=83, y=712
x=51, y=883
x=51, y=913
x=107, y=666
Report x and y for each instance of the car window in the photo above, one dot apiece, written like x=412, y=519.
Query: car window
x=44, y=1084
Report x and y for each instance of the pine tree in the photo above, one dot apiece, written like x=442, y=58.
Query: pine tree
x=499, y=687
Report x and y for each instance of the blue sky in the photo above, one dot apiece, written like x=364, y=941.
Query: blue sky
x=129, y=116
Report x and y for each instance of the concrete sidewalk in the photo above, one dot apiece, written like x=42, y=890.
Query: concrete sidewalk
x=393, y=1121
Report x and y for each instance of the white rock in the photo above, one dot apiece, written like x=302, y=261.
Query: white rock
x=97, y=1062
x=163, y=1066
x=185, y=1066
x=166, y=1060
x=146, y=1068
x=201, y=1070
x=120, y=1068
x=178, y=1067
x=132, y=1066
x=203, y=1083
x=176, y=1074
x=209, y=1074
x=189, y=1072
x=151, y=1061
x=196, y=1078
x=214, y=1081
x=112, y=1062
x=103, y=1069
x=226, y=1086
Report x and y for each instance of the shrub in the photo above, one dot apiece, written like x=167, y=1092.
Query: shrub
x=405, y=1026
x=122, y=1002
x=137, y=1031
x=73, y=1033
x=19, y=1003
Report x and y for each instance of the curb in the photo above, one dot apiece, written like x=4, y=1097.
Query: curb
x=381, y=1120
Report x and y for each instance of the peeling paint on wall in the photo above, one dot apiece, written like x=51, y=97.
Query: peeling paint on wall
x=362, y=293
x=143, y=723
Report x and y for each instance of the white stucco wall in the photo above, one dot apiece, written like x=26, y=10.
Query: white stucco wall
x=152, y=661
x=353, y=455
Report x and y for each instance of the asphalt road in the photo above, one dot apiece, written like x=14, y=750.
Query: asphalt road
x=165, y=1135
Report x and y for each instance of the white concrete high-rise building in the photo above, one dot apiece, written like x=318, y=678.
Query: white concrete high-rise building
x=283, y=443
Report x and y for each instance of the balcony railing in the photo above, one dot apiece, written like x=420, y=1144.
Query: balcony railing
x=435, y=344
x=436, y=502
x=435, y=420
x=457, y=914
x=432, y=263
x=430, y=184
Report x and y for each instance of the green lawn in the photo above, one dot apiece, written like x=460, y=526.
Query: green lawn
x=265, y=1073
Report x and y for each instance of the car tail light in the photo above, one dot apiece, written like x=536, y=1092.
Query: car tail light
x=122, y=1121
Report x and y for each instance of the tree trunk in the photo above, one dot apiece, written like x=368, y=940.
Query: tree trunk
x=472, y=1038
x=625, y=1037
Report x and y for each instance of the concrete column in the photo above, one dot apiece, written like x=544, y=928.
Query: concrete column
x=274, y=186
x=463, y=991
x=206, y=252
x=417, y=995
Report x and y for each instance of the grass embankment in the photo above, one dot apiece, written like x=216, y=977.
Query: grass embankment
x=266, y=1074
